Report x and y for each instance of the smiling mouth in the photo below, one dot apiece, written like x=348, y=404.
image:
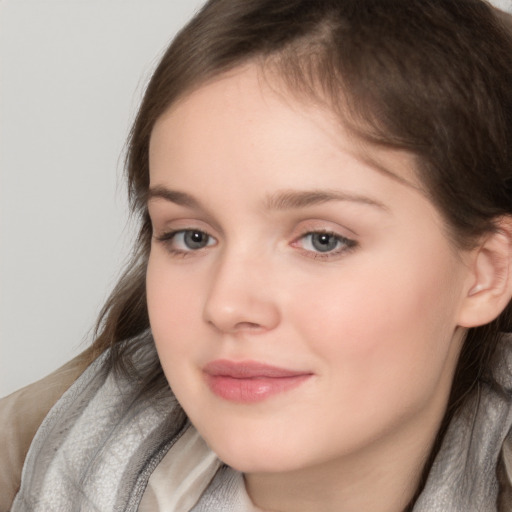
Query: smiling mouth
x=249, y=381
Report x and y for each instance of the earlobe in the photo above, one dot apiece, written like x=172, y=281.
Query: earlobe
x=490, y=288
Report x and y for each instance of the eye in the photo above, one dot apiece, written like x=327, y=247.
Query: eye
x=186, y=240
x=324, y=243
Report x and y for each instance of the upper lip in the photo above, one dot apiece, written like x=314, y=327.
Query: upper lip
x=248, y=370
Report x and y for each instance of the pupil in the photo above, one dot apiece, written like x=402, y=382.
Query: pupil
x=323, y=242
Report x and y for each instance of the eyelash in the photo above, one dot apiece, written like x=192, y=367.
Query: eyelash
x=346, y=244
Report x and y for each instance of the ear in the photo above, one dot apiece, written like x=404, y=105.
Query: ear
x=489, y=288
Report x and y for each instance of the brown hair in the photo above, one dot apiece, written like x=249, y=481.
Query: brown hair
x=432, y=77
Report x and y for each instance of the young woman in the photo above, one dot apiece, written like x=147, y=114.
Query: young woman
x=315, y=314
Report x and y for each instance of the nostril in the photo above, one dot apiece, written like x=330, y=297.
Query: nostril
x=247, y=325
x=239, y=327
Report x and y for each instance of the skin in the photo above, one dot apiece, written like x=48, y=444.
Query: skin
x=375, y=322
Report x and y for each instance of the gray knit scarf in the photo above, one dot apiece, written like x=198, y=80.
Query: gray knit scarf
x=98, y=446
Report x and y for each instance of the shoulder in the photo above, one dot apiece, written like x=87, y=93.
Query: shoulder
x=21, y=414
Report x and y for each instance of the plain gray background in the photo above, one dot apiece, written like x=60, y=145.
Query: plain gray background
x=72, y=74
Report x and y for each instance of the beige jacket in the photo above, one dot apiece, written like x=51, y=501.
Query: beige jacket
x=20, y=416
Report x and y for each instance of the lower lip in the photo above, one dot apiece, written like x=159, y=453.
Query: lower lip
x=254, y=389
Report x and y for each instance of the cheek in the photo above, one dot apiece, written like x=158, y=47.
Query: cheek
x=173, y=306
x=383, y=330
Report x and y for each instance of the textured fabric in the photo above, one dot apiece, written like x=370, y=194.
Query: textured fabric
x=21, y=414
x=505, y=476
x=464, y=474
x=226, y=493
x=99, y=445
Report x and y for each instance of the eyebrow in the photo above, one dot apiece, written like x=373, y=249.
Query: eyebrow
x=300, y=199
x=283, y=200
x=174, y=196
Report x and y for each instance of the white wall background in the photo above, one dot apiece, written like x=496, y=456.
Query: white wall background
x=71, y=75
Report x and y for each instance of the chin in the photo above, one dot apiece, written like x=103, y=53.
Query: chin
x=257, y=457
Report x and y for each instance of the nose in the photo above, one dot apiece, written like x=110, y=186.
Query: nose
x=241, y=297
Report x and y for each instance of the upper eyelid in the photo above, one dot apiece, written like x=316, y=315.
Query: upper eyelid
x=325, y=226
x=336, y=224
x=327, y=231
x=158, y=211
x=164, y=223
x=166, y=228
x=173, y=232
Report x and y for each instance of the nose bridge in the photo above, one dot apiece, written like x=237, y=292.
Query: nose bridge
x=240, y=295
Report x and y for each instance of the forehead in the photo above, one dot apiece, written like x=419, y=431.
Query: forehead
x=245, y=114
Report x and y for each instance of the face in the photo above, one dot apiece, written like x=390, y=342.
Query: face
x=303, y=300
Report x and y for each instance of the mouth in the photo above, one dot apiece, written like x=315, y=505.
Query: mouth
x=250, y=381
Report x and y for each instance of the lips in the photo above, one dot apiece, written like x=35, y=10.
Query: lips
x=250, y=381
